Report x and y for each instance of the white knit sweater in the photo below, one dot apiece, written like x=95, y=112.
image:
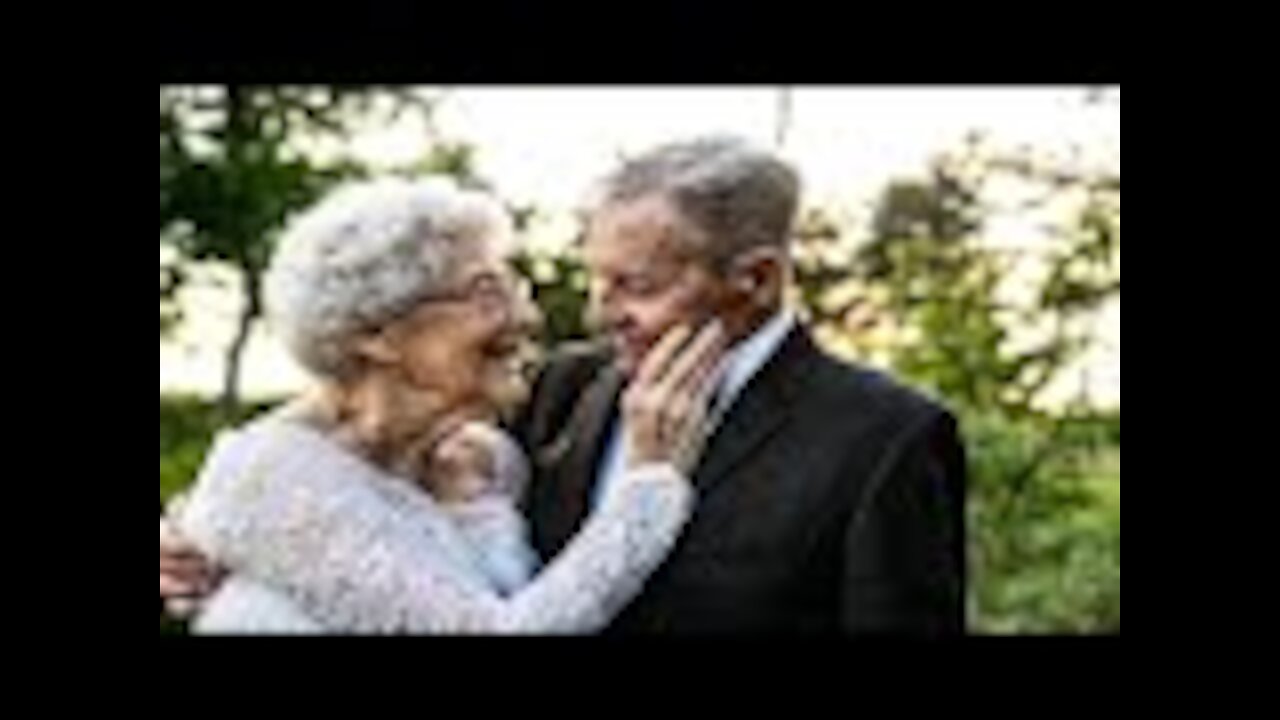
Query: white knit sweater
x=319, y=541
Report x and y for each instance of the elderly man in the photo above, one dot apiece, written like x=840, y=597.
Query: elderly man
x=831, y=497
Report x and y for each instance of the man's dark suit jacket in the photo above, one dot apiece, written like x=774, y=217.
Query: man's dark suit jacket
x=831, y=499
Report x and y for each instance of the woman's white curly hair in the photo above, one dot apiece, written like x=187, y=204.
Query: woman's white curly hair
x=368, y=253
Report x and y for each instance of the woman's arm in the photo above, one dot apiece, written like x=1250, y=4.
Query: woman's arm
x=299, y=515
x=497, y=534
x=295, y=512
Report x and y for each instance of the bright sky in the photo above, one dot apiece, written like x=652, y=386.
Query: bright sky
x=544, y=146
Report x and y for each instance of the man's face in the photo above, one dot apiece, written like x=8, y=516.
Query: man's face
x=644, y=279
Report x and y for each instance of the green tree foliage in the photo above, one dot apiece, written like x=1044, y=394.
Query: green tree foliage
x=927, y=275
x=560, y=289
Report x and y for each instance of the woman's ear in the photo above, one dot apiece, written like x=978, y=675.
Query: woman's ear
x=377, y=349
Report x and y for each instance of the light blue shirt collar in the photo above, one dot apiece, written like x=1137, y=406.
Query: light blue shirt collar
x=748, y=358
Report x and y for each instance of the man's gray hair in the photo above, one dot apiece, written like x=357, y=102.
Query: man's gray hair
x=738, y=195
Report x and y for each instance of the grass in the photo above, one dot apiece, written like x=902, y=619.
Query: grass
x=188, y=427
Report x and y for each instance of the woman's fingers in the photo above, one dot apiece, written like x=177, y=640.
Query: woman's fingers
x=659, y=358
x=698, y=357
x=666, y=405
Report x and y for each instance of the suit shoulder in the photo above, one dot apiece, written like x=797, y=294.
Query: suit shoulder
x=573, y=364
x=887, y=395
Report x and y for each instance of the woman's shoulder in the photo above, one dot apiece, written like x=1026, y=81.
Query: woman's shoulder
x=235, y=446
x=250, y=460
x=268, y=472
x=283, y=431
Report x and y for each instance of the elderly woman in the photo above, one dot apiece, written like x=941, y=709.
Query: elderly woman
x=396, y=297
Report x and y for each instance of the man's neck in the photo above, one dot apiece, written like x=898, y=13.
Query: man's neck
x=755, y=323
x=746, y=358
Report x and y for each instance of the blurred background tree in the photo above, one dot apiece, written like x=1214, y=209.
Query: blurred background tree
x=231, y=174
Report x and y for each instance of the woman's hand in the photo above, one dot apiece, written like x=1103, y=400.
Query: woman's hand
x=475, y=459
x=463, y=464
x=666, y=404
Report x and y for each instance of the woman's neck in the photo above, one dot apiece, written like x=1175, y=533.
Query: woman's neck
x=384, y=419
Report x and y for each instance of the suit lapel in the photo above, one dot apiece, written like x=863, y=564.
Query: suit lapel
x=761, y=410
x=576, y=453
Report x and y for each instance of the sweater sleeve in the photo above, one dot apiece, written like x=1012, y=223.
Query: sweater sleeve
x=295, y=512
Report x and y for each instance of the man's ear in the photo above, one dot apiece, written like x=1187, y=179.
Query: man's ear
x=758, y=276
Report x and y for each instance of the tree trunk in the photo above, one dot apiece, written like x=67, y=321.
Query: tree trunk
x=237, y=134
x=230, y=401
